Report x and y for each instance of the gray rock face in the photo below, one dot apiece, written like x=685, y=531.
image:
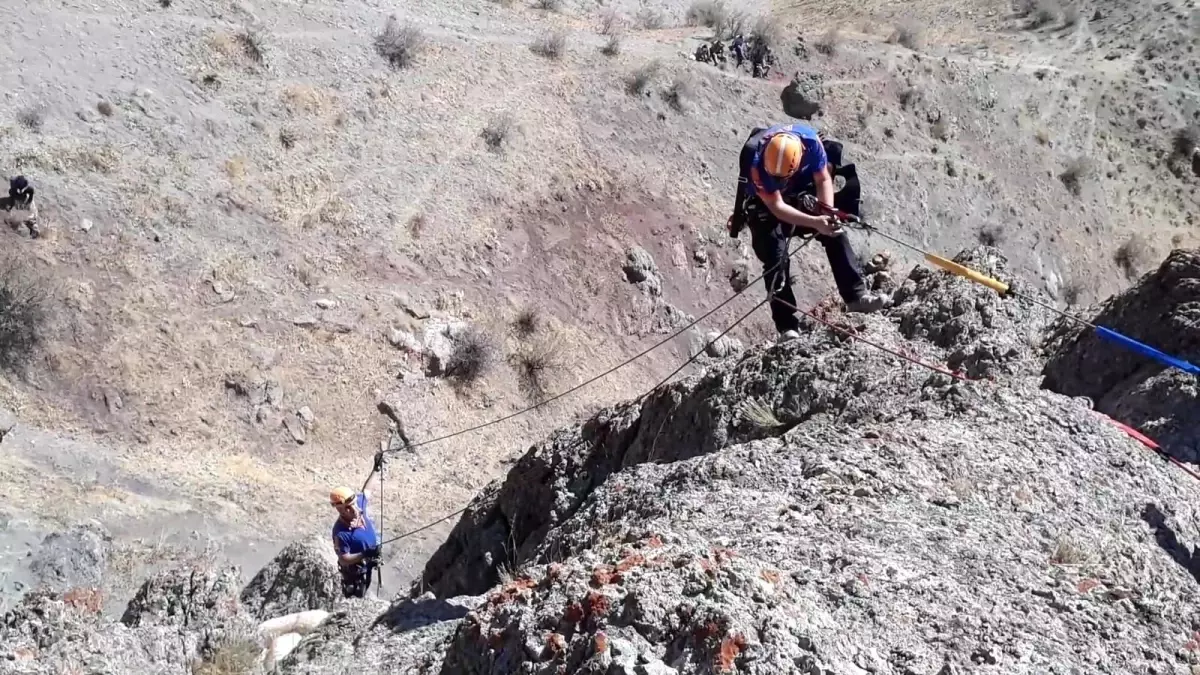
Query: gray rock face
x=803, y=96
x=639, y=265
x=1163, y=311
x=76, y=557
x=302, y=576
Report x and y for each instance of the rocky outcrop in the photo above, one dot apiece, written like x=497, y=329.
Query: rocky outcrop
x=301, y=577
x=817, y=507
x=1163, y=311
x=74, y=558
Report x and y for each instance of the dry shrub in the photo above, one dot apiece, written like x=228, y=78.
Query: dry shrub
x=766, y=32
x=734, y=23
x=758, y=416
x=990, y=235
x=679, y=93
x=1133, y=255
x=536, y=362
x=105, y=108
x=909, y=97
x=473, y=357
x=252, y=45
x=416, y=225
x=711, y=13
x=232, y=656
x=309, y=199
x=651, y=19
x=89, y=600
x=551, y=45
x=828, y=44
x=32, y=118
x=1072, y=291
x=23, y=307
x=1185, y=141
x=1043, y=12
x=639, y=80
x=304, y=98
x=907, y=34
x=527, y=321
x=1077, y=172
x=611, y=22
x=63, y=156
x=288, y=138
x=1069, y=552
x=400, y=45
x=612, y=47
x=498, y=131
x=548, y=5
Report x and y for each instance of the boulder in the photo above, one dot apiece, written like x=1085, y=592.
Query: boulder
x=303, y=576
x=74, y=558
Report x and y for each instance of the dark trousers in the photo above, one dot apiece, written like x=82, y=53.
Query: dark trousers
x=356, y=580
x=770, y=237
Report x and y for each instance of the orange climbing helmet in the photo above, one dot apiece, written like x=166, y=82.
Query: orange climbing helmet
x=341, y=495
x=782, y=155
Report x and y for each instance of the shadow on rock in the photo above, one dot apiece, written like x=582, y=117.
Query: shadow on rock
x=423, y=611
x=1168, y=540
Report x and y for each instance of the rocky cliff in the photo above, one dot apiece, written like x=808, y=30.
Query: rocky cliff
x=817, y=507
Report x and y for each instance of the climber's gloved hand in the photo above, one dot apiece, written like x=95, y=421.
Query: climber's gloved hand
x=378, y=461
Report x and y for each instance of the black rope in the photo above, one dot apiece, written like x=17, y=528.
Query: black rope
x=649, y=391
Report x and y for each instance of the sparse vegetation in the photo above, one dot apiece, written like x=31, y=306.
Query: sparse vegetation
x=527, y=321
x=1043, y=13
x=416, y=225
x=548, y=5
x=711, y=13
x=105, y=108
x=828, y=43
x=1077, y=172
x=473, y=357
x=252, y=45
x=536, y=362
x=990, y=235
x=679, y=93
x=233, y=656
x=287, y=138
x=612, y=47
x=1072, y=291
x=758, y=416
x=1069, y=552
x=551, y=45
x=909, y=97
x=766, y=32
x=733, y=24
x=400, y=44
x=23, y=301
x=651, y=19
x=1133, y=255
x=611, y=23
x=1185, y=141
x=907, y=34
x=498, y=131
x=639, y=80
x=32, y=118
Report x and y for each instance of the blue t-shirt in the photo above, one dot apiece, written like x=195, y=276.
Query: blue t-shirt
x=355, y=539
x=813, y=161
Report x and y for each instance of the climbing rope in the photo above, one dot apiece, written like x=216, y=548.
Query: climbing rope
x=379, y=457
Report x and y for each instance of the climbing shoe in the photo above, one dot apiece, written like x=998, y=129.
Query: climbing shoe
x=870, y=302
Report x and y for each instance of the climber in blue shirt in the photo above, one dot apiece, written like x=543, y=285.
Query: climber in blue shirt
x=354, y=540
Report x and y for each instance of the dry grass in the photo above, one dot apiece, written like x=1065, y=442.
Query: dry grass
x=309, y=199
x=416, y=225
x=400, y=44
x=536, y=363
x=766, y=31
x=32, y=118
x=1068, y=552
x=235, y=656
x=611, y=47
x=527, y=321
x=638, y=82
x=1042, y=12
x=474, y=355
x=251, y=43
x=551, y=45
x=1077, y=172
x=548, y=5
x=909, y=97
x=680, y=92
x=828, y=44
x=611, y=22
x=1133, y=255
x=907, y=34
x=498, y=132
x=758, y=415
x=710, y=13
x=288, y=138
x=61, y=157
x=651, y=19
x=990, y=235
x=23, y=309
x=734, y=23
x=305, y=98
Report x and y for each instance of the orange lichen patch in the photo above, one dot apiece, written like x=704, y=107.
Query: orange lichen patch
x=1087, y=585
x=512, y=590
x=556, y=644
x=573, y=613
x=770, y=575
x=596, y=604
x=599, y=643
x=86, y=599
x=730, y=648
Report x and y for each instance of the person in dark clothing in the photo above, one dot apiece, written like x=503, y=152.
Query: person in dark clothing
x=354, y=541
x=19, y=208
x=739, y=50
x=779, y=165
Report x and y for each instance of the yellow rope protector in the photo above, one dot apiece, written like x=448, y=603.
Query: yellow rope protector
x=968, y=273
